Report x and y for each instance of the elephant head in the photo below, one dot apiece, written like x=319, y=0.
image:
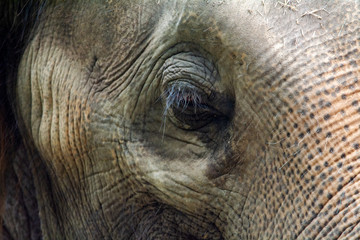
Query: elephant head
x=185, y=120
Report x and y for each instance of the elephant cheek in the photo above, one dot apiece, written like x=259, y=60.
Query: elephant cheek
x=317, y=162
x=52, y=103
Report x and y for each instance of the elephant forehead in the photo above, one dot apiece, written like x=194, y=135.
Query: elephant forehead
x=252, y=26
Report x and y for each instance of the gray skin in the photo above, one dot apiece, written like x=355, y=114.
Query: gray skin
x=194, y=119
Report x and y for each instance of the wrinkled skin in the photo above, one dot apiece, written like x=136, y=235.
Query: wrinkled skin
x=273, y=150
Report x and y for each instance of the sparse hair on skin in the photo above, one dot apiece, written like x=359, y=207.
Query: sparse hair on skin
x=17, y=18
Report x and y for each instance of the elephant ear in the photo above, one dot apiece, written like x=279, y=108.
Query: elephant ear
x=17, y=18
x=7, y=55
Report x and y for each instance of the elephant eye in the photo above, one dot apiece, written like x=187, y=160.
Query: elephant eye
x=190, y=91
x=188, y=106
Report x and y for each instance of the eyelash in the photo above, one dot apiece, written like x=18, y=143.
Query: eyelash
x=182, y=97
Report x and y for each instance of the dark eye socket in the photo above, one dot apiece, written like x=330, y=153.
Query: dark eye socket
x=188, y=106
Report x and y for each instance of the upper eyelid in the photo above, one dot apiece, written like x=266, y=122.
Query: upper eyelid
x=192, y=67
x=173, y=72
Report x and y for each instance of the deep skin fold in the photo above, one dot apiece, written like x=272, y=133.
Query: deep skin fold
x=96, y=147
x=17, y=19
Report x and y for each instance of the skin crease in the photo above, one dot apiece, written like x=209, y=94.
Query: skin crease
x=280, y=160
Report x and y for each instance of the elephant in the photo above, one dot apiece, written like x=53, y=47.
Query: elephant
x=180, y=119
